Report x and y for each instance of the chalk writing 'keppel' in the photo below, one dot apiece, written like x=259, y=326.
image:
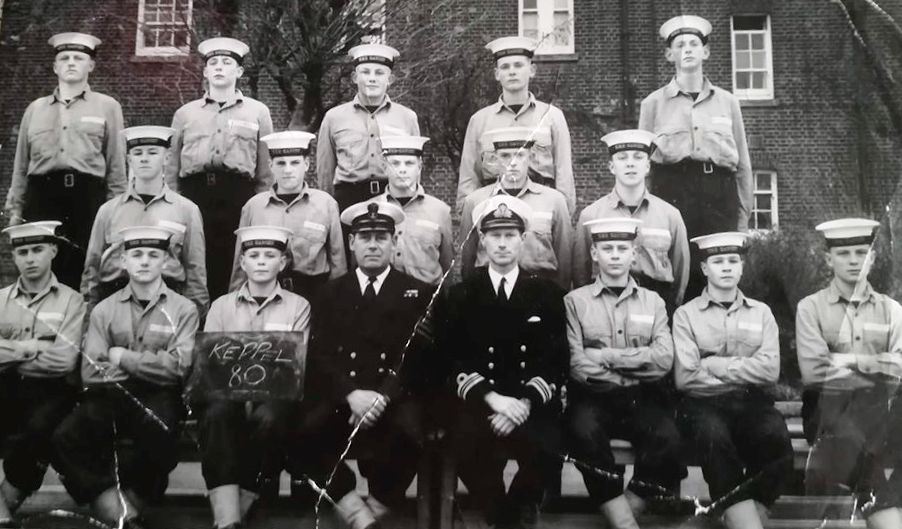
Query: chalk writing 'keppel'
x=262, y=352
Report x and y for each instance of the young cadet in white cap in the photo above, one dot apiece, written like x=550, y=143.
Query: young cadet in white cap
x=316, y=247
x=849, y=341
x=621, y=351
x=348, y=151
x=661, y=260
x=550, y=163
x=425, y=244
x=218, y=159
x=701, y=164
x=40, y=339
x=548, y=244
x=234, y=475
x=69, y=154
x=147, y=201
x=366, y=369
x=138, y=350
x=503, y=330
x=727, y=357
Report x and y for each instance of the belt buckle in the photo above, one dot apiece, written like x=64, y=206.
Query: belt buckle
x=69, y=180
x=708, y=167
x=374, y=187
x=211, y=179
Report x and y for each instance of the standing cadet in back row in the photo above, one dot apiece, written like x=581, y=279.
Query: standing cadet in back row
x=69, y=154
x=517, y=107
x=218, y=159
x=425, y=247
x=701, y=164
x=148, y=201
x=316, y=247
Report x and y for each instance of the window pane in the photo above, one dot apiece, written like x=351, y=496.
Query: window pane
x=762, y=202
x=762, y=181
x=562, y=4
x=757, y=41
x=742, y=80
x=759, y=80
x=742, y=60
x=762, y=221
x=758, y=60
x=742, y=41
x=529, y=4
x=561, y=29
x=749, y=22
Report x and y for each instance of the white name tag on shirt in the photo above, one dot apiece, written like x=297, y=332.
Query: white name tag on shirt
x=543, y=215
x=426, y=224
x=647, y=319
x=270, y=326
x=175, y=226
x=721, y=120
x=51, y=316
x=156, y=327
x=875, y=327
x=749, y=326
x=314, y=225
x=94, y=119
x=246, y=124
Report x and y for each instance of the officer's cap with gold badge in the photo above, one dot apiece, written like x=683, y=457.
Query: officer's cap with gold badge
x=148, y=135
x=502, y=212
x=288, y=143
x=629, y=140
x=74, y=42
x=848, y=232
x=146, y=237
x=721, y=243
x=508, y=46
x=510, y=138
x=685, y=25
x=613, y=229
x=263, y=237
x=223, y=47
x=43, y=231
x=403, y=145
x=372, y=216
x=374, y=53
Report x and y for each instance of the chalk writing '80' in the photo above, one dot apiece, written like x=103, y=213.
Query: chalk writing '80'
x=253, y=375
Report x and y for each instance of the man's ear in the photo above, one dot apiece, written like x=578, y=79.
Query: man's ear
x=283, y=262
x=54, y=249
x=354, y=76
x=593, y=251
x=391, y=79
x=706, y=52
x=668, y=54
x=240, y=71
x=532, y=69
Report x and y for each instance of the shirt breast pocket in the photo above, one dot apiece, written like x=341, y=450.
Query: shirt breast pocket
x=9, y=331
x=749, y=334
x=719, y=142
x=673, y=144
x=310, y=239
x=640, y=330
x=158, y=336
x=542, y=154
x=242, y=151
x=876, y=335
x=350, y=147
x=90, y=132
x=43, y=143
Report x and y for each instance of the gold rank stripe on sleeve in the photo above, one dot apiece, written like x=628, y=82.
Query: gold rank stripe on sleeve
x=467, y=382
x=539, y=384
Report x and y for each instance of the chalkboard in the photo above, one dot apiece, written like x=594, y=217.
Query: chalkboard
x=248, y=366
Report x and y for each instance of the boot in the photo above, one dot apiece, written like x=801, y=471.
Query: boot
x=355, y=512
x=619, y=514
x=637, y=503
x=112, y=506
x=742, y=515
x=379, y=509
x=890, y=518
x=764, y=512
x=12, y=495
x=224, y=500
x=247, y=502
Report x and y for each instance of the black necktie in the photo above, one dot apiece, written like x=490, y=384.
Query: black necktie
x=502, y=295
x=370, y=291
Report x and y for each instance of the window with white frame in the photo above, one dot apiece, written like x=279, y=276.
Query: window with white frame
x=164, y=27
x=753, y=70
x=550, y=22
x=764, y=203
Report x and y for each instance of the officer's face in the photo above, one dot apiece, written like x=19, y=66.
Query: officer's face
x=372, y=80
x=144, y=265
x=73, y=66
x=403, y=171
x=614, y=258
x=33, y=260
x=850, y=263
x=222, y=72
x=687, y=52
x=147, y=161
x=262, y=265
x=513, y=165
x=502, y=246
x=289, y=172
x=723, y=271
x=514, y=72
x=630, y=167
x=372, y=250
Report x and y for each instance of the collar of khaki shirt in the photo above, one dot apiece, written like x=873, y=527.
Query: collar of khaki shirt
x=598, y=288
x=501, y=105
x=358, y=104
x=236, y=98
x=132, y=194
x=835, y=296
x=419, y=194
x=274, y=195
x=244, y=294
x=707, y=300
x=673, y=89
x=83, y=95
x=127, y=294
x=531, y=187
x=616, y=201
x=17, y=289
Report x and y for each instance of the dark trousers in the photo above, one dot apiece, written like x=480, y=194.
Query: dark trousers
x=347, y=194
x=638, y=414
x=854, y=436
x=481, y=457
x=387, y=453
x=307, y=287
x=707, y=198
x=73, y=199
x=30, y=410
x=220, y=195
x=241, y=447
x=110, y=433
x=742, y=443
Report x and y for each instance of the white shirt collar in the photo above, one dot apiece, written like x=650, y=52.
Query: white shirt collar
x=510, y=280
x=363, y=280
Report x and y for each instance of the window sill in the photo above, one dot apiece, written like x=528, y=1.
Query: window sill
x=765, y=103
x=160, y=58
x=556, y=57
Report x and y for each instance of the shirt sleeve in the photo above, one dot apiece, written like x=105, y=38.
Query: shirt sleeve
x=175, y=151
x=170, y=365
x=689, y=374
x=563, y=243
x=96, y=349
x=744, y=184
x=325, y=155
x=215, y=321
x=647, y=114
x=650, y=362
x=15, y=197
x=338, y=264
x=563, y=165
x=679, y=256
x=446, y=247
x=263, y=176
x=813, y=352
x=301, y=324
x=62, y=354
x=195, y=262
x=470, y=163
x=895, y=321
x=762, y=368
x=238, y=276
x=582, y=258
x=114, y=152
x=90, y=276
x=581, y=366
x=469, y=242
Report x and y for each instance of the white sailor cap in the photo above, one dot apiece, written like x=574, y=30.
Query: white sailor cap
x=685, y=24
x=510, y=138
x=721, y=243
x=374, y=53
x=148, y=135
x=613, y=229
x=848, y=232
x=288, y=143
x=146, y=237
x=408, y=145
x=629, y=140
x=263, y=237
x=502, y=211
x=74, y=42
x=372, y=216
x=223, y=46
x=507, y=46
x=32, y=232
